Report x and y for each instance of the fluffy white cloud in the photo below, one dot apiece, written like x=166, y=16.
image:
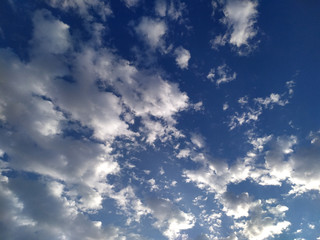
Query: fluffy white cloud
x=260, y=226
x=236, y=206
x=286, y=161
x=240, y=18
x=254, y=219
x=216, y=174
x=169, y=219
x=60, y=94
x=182, y=57
x=152, y=31
x=130, y=204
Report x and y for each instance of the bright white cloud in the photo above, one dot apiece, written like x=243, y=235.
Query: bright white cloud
x=240, y=16
x=182, y=57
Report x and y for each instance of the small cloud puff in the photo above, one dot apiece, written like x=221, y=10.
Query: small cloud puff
x=152, y=31
x=182, y=57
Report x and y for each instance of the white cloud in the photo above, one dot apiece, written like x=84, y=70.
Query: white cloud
x=236, y=206
x=24, y=209
x=169, y=219
x=269, y=102
x=182, y=57
x=219, y=40
x=243, y=100
x=130, y=204
x=83, y=7
x=173, y=10
x=253, y=111
x=215, y=175
x=198, y=140
x=286, y=161
x=153, y=185
x=44, y=98
x=50, y=35
x=225, y=106
x=222, y=74
x=311, y=226
x=152, y=31
x=240, y=16
x=184, y=153
x=260, y=226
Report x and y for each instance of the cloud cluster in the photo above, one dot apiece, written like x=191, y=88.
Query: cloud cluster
x=170, y=219
x=253, y=111
x=283, y=161
x=61, y=113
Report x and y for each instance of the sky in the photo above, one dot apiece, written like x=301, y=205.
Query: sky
x=159, y=120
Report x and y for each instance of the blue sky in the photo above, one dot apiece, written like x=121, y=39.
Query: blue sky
x=155, y=120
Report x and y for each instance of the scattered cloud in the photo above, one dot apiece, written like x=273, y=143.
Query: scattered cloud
x=182, y=57
x=169, y=219
x=253, y=111
x=83, y=7
x=222, y=74
x=131, y=3
x=152, y=31
x=225, y=106
x=161, y=8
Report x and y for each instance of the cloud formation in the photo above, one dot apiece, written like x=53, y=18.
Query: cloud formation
x=182, y=57
x=152, y=31
x=240, y=18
